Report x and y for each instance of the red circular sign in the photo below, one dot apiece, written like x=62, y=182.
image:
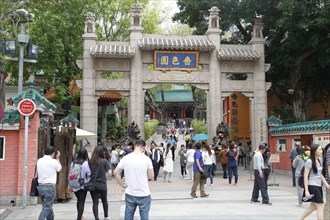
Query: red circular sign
x=2, y=113
x=26, y=107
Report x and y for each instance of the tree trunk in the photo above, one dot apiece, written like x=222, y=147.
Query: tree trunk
x=299, y=104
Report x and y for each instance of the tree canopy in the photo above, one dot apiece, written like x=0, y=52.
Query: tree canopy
x=297, y=42
x=57, y=29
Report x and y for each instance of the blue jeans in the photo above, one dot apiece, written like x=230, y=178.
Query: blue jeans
x=231, y=170
x=47, y=194
x=208, y=172
x=132, y=202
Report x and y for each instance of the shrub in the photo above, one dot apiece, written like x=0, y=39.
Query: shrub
x=150, y=128
x=199, y=127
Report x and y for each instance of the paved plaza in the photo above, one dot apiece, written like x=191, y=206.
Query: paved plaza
x=172, y=200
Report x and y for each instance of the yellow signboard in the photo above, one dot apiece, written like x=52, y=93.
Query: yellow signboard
x=274, y=158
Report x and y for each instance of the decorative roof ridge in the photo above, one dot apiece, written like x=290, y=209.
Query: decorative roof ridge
x=170, y=36
x=308, y=122
x=41, y=102
x=241, y=46
x=11, y=117
x=274, y=121
x=120, y=43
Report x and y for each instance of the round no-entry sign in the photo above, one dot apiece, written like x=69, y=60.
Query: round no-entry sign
x=26, y=107
x=2, y=113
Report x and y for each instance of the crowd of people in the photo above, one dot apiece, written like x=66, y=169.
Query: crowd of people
x=135, y=164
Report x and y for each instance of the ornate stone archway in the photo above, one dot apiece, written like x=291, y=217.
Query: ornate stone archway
x=215, y=61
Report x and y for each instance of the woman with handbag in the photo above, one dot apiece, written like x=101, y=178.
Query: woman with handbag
x=81, y=193
x=99, y=167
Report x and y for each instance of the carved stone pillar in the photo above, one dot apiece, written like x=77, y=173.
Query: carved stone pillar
x=88, y=100
x=214, y=106
x=260, y=85
x=136, y=99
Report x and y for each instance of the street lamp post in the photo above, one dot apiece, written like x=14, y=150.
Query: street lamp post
x=21, y=59
x=21, y=17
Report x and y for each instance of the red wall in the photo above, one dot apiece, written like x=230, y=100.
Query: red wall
x=285, y=161
x=12, y=167
x=9, y=165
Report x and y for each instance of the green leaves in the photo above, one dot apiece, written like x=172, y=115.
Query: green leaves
x=297, y=39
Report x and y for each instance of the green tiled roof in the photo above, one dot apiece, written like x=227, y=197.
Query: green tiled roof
x=181, y=95
x=322, y=126
x=41, y=102
x=11, y=117
x=273, y=121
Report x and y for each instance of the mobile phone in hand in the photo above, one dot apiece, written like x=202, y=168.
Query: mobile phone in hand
x=306, y=199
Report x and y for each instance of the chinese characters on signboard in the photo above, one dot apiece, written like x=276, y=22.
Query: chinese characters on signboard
x=176, y=60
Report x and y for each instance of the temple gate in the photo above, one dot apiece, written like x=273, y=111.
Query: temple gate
x=142, y=60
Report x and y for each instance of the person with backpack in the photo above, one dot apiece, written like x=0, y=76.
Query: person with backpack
x=99, y=167
x=79, y=173
x=298, y=164
x=313, y=180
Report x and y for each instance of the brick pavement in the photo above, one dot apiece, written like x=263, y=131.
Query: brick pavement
x=172, y=201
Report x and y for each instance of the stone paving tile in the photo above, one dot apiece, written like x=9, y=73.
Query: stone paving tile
x=172, y=201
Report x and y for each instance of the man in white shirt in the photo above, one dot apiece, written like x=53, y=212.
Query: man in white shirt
x=47, y=168
x=259, y=181
x=138, y=170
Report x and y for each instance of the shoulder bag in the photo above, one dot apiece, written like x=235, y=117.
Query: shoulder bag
x=34, y=184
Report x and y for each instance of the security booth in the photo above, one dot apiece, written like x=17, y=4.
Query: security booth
x=282, y=138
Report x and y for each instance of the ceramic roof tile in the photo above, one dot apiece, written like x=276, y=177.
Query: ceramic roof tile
x=302, y=127
x=112, y=50
x=241, y=52
x=176, y=43
x=11, y=118
x=273, y=121
x=41, y=102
